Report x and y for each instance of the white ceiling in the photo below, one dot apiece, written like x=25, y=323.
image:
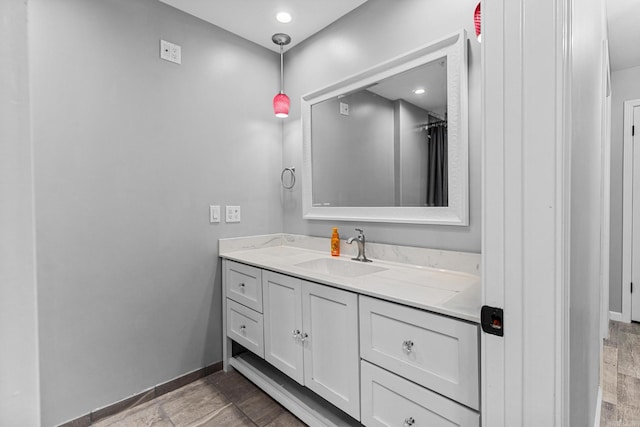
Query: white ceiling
x=255, y=20
x=624, y=33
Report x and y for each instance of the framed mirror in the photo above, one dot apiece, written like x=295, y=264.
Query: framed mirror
x=390, y=144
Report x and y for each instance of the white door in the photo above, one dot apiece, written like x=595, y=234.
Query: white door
x=525, y=211
x=605, y=189
x=635, y=251
x=331, y=351
x=282, y=301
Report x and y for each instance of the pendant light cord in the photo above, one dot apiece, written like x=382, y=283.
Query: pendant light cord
x=281, y=71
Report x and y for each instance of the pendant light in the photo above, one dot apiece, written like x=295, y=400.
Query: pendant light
x=281, y=101
x=477, y=20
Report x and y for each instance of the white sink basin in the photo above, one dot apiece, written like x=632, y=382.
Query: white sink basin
x=337, y=267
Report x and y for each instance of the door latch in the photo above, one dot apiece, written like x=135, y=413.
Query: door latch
x=492, y=320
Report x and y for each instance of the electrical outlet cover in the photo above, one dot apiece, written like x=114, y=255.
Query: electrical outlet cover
x=170, y=52
x=232, y=214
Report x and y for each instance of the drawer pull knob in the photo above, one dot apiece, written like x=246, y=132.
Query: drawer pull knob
x=304, y=337
x=243, y=328
x=407, y=346
x=408, y=422
x=295, y=333
x=241, y=285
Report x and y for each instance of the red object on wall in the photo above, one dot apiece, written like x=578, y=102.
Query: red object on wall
x=281, y=104
x=477, y=20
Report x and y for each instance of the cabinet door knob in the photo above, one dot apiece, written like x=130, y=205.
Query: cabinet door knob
x=304, y=337
x=243, y=328
x=408, y=422
x=295, y=333
x=241, y=285
x=407, y=346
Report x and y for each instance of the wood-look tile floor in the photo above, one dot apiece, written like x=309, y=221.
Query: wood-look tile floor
x=621, y=376
x=230, y=400
x=220, y=400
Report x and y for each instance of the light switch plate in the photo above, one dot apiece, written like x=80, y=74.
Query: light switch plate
x=214, y=214
x=233, y=214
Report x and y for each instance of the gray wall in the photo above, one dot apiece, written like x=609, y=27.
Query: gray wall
x=354, y=153
x=413, y=152
x=19, y=394
x=586, y=207
x=129, y=152
x=372, y=33
x=625, y=86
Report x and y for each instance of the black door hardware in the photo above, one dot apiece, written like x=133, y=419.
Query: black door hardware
x=491, y=319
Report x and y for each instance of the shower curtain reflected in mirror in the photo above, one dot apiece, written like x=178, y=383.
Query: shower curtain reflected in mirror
x=437, y=187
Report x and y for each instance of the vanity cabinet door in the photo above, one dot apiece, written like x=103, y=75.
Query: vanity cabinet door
x=282, y=301
x=330, y=341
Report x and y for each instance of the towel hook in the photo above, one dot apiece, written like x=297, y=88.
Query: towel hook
x=292, y=171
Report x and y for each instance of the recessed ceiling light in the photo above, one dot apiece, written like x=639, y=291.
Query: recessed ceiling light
x=284, y=17
x=419, y=91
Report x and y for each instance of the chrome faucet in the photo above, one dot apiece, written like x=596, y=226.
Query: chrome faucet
x=361, y=241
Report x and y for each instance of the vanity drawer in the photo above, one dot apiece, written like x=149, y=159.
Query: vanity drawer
x=244, y=284
x=435, y=351
x=245, y=327
x=389, y=400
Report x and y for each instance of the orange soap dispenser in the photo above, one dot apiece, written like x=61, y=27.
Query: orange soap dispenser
x=335, y=242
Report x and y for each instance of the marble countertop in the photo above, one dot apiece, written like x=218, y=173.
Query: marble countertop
x=420, y=283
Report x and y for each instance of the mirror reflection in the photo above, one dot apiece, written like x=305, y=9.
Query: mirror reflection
x=385, y=144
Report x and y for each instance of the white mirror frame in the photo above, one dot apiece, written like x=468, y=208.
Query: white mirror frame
x=454, y=47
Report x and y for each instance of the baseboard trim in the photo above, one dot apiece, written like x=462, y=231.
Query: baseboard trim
x=596, y=422
x=142, y=397
x=614, y=315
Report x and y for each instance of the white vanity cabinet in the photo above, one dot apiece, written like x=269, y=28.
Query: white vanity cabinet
x=311, y=334
x=380, y=363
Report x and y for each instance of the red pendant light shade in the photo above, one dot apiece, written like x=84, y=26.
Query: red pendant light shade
x=477, y=20
x=281, y=101
x=281, y=104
